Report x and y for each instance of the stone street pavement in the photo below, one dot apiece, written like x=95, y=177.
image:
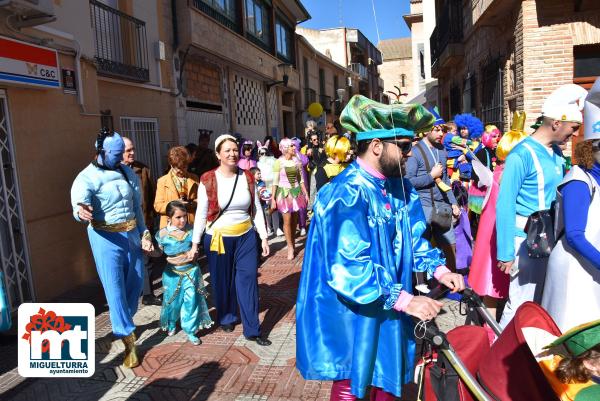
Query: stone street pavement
x=225, y=367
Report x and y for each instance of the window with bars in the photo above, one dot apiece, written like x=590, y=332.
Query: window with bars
x=454, y=101
x=144, y=134
x=120, y=41
x=258, y=20
x=469, y=98
x=492, y=95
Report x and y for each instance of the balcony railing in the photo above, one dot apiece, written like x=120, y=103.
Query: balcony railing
x=325, y=102
x=310, y=96
x=360, y=69
x=448, y=30
x=121, y=43
x=228, y=20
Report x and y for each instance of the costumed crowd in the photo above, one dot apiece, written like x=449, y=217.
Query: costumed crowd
x=392, y=198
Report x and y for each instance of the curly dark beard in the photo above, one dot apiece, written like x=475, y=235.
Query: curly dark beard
x=390, y=167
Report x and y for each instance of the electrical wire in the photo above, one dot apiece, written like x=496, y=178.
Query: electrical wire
x=375, y=18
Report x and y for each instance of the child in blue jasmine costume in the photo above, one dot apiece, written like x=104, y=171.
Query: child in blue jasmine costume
x=106, y=194
x=185, y=296
x=354, y=299
x=470, y=129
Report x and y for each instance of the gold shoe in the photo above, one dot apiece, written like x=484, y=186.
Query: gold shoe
x=131, y=359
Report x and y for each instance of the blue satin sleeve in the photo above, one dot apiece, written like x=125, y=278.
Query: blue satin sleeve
x=426, y=257
x=351, y=271
x=576, y=201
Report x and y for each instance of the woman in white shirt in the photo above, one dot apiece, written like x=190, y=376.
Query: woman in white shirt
x=229, y=214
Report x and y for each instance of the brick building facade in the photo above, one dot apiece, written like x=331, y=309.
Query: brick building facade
x=494, y=57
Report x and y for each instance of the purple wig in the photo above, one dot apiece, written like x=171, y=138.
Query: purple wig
x=284, y=144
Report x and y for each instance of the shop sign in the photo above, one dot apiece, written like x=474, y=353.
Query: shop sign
x=27, y=64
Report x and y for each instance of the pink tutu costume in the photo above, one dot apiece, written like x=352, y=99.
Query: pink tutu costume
x=287, y=176
x=485, y=277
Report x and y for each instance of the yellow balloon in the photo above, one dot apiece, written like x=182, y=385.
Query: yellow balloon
x=315, y=109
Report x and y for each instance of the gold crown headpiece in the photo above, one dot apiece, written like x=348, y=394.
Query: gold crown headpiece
x=518, y=122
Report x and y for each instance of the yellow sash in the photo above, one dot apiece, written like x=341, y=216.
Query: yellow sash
x=216, y=242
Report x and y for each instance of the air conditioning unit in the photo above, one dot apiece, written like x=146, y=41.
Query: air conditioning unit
x=29, y=7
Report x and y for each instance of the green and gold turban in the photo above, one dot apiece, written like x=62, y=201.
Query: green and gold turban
x=580, y=338
x=371, y=119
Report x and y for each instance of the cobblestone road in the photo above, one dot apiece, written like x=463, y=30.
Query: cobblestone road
x=225, y=367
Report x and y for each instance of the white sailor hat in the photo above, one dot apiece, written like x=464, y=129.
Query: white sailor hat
x=591, y=113
x=565, y=104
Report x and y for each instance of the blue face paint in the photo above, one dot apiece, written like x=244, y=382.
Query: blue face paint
x=112, y=153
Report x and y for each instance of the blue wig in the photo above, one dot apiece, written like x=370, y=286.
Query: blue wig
x=474, y=124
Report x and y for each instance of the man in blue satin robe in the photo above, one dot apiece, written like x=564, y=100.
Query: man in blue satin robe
x=365, y=240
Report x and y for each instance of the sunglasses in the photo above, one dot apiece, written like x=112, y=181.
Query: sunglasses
x=405, y=147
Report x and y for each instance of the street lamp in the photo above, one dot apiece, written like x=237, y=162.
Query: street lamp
x=284, y=79
x=340, y=97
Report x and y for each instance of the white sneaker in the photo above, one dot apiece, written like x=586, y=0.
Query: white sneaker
x=279, y=232
x=172, y=332
x=303, y=232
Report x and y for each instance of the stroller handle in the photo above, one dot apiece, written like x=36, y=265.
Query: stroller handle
x=472, y=300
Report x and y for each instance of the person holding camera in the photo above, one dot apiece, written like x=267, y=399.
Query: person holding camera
x=177, y=184
x=316, y=157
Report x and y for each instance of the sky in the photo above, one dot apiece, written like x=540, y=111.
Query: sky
x=359, y=14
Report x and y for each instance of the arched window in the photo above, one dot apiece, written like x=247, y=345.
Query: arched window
x=403, y=80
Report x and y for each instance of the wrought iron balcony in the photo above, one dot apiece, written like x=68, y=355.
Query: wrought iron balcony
x=360, y=69
x=448, y=32
x=221, y=16
x=121, y=43
x=310, y=96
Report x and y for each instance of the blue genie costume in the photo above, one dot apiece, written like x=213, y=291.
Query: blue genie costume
x=475, y=129
x=364, y=243
x=112, y=190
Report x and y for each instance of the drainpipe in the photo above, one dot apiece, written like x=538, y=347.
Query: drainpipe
x=68, y=36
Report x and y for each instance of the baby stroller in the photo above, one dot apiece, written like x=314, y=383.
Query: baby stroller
x=506, y=371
